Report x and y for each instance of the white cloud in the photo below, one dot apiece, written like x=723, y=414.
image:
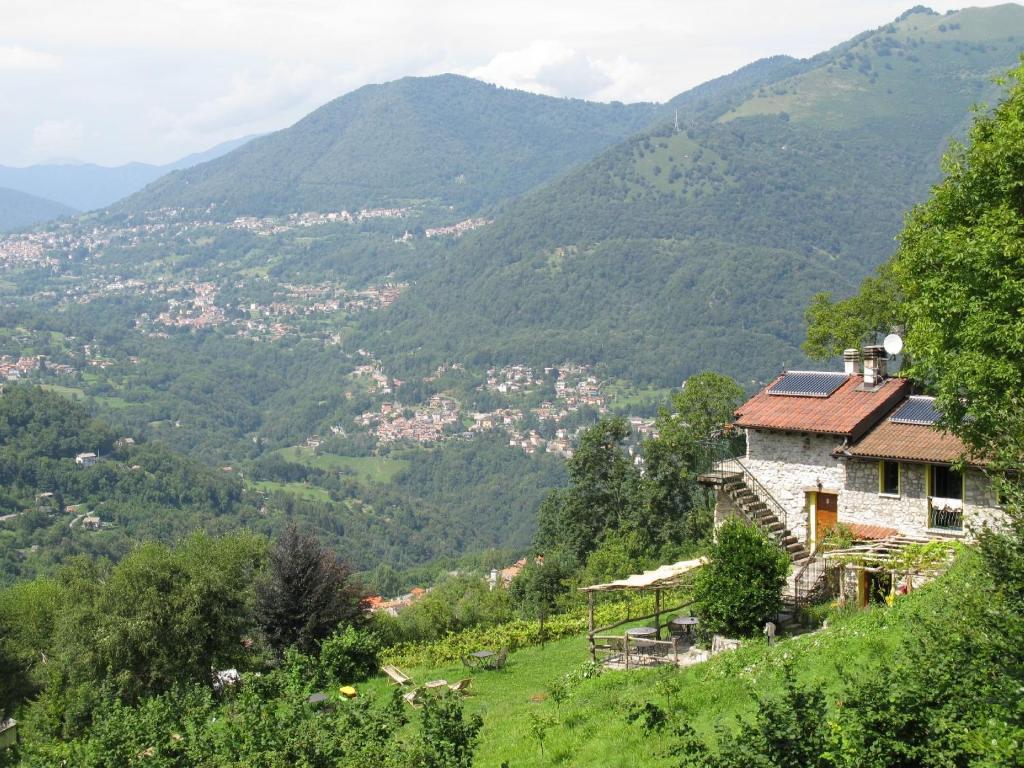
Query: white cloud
x=250, y=98
x=57, y=139
x=18, y=57
x=154, y=81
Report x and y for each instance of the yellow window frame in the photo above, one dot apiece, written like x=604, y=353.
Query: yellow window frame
x=881, y=478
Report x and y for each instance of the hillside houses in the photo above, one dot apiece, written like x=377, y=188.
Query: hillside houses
x=458, y=229
x=426, y=425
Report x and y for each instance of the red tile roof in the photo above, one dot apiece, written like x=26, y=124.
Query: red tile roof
x=862, y=531
x=908, y=442
x=849, y=411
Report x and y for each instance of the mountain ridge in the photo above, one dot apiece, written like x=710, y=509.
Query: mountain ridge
x=447, y=138
x=20, y=209
x=89, y=186
x=740, y=203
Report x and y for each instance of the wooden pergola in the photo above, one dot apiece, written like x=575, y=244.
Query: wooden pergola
x=890, y=555
x=657, y=580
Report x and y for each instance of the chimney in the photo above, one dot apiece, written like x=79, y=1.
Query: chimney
x=850, y=359
x=874, y=365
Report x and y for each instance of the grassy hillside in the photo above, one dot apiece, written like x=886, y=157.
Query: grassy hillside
x=20, y=209
x=591, y=728
x=679, y=250
x=447, y=138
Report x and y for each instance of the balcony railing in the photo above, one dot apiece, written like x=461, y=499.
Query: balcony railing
x=946, y=514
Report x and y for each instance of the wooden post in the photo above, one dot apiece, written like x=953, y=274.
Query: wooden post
x=590, y=627
x=657, y=614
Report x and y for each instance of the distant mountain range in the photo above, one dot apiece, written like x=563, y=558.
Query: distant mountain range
x=448, y=139
x=699, y=246
x=19, y=209
x=86, y=187
x=657, y=240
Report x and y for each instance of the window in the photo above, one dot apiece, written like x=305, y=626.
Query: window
x=889, y=478
x=946, y=483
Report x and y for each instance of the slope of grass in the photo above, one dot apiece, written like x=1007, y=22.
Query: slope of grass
x=590, y=727
x=374, y=469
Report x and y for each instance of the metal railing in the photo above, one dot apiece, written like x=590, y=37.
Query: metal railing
x=947, y=517
x=730, y=467
x=807, y=581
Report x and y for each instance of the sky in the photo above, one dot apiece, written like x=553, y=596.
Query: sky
x=112, y=81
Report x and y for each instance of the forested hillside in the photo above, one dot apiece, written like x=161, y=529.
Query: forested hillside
x=697, y=247
x=18, y=209
x=448, y=139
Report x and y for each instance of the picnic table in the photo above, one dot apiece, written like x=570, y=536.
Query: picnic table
x=683, y=624
x=645, y=633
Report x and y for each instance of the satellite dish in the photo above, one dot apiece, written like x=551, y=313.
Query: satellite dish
x=893, y=344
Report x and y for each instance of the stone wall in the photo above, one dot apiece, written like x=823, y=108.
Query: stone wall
x=861, y=502
x=788, y=464
x=725, y=508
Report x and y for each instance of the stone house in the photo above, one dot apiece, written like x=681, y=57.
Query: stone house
x=901, y=474
x=856, y=448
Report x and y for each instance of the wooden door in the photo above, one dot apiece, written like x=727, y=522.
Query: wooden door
x=826, y=514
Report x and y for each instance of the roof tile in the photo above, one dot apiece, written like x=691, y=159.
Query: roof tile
x=848, y=411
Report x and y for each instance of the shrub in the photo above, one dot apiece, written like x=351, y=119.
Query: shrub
x=741, y=588
x=350, y=656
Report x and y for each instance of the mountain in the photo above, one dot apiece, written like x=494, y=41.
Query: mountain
x=86, y=186
x=18, y=209
x=447, y=139
x=699, y=247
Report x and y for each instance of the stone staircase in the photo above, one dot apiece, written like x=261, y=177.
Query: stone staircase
x=757, y=505
x=761, y=509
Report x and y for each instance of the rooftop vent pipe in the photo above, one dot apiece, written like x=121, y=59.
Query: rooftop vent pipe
x=874, y=365
x=850, y=359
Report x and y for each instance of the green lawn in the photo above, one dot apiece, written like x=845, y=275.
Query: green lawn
x=590, y=727
x=311, y=492
x=72, y=393
x=373, y=469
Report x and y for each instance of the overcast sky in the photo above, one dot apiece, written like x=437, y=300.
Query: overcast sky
x=110, y=81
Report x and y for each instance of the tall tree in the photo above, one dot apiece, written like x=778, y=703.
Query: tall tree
x=833, y=326
x=690, y=437
x=961, y=268
x=605, y=491
x=307, y=593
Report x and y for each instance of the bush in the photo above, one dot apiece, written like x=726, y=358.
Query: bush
x=741, y=588
x=350, y=656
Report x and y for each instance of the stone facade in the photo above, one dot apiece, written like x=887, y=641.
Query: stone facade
x=861, y=502
x=789, y=464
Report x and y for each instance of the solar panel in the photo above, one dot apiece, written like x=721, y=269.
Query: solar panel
x=808, y=384
x=917, y=410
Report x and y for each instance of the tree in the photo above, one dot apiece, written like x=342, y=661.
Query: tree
x=960, y=265
x=447, y=738
x=688, y=437
x=306, y=594
x=875, y=310
x=605, y=493
x=741, y=588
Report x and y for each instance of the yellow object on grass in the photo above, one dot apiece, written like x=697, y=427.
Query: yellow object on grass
x=348, y=691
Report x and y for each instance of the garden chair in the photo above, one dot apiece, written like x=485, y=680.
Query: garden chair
x=462, y=686
x=397, y=676
x=498, y=662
